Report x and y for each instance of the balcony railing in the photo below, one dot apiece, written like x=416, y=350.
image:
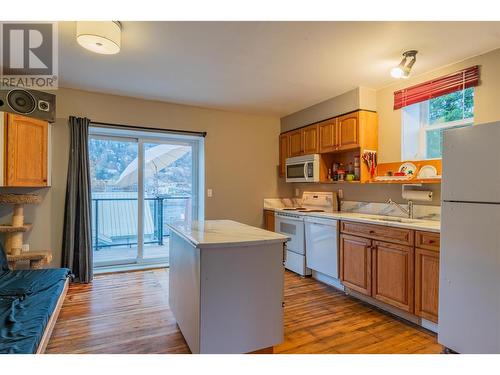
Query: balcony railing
x=120, y=216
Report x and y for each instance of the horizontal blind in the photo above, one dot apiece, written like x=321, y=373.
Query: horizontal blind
x=440, y=86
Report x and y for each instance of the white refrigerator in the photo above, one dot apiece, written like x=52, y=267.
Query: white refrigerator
x=469, y=286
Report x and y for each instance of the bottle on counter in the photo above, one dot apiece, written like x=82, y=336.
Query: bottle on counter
x=341, y=175
x=357, y=169
x=350, y=168
x=335, y=168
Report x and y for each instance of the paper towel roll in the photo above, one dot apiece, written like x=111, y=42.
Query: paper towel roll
x=417, y=195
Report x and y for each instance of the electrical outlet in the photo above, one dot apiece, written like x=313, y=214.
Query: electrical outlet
x=210, y=193
x=340, y=194
x=25, y=248
x=297, y=192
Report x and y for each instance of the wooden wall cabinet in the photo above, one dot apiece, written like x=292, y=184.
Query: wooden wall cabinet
x=311, y=140
x=284, y=153
x=348, y=131
x=328, y=136
x=25, y=144
x=269, y=220
x=296, y=140
x=427, y=275
x=337, y=139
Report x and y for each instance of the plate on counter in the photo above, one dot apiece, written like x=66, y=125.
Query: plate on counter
x=408, y=169
x=428, y=171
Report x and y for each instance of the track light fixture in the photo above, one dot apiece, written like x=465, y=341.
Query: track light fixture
x=404, y=67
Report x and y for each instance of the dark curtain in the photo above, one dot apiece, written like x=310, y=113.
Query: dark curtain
x=77, y=241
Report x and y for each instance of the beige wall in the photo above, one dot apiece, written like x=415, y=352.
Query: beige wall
x=487, y=109
x=241, y=157
x=358, y=98
x=486, y=101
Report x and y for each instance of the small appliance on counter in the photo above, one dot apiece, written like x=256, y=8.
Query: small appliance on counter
x=290, y=222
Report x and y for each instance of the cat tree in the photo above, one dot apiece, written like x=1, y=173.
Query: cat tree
x=14, y=231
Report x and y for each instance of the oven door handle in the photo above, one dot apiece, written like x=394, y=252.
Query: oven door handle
x=281, y=218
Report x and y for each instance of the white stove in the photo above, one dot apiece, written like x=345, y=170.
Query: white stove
x=290, y=221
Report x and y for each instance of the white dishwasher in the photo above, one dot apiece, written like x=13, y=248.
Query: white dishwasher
x=322, y=245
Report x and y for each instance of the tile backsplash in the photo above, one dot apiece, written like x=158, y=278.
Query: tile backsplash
x=424, y=212
x=419, y=211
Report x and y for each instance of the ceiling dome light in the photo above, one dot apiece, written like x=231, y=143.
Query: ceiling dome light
x=403, y=69
x=102, y=37
x=397, y=72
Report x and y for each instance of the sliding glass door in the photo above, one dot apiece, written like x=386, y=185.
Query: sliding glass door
x=140, y=182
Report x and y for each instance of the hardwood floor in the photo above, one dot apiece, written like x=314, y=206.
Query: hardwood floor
x=129, y=313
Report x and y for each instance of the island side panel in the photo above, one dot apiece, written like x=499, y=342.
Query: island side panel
x=241, y=298
x=184, y=288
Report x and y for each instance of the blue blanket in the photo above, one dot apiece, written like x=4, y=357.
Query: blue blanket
x=27, y=300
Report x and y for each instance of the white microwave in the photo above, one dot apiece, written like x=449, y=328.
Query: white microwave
x=303, y=168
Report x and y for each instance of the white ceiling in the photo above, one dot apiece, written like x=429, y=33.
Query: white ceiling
x=263, y=67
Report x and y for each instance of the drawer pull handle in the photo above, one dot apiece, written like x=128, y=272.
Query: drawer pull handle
x=372, y=232
x=431, y=241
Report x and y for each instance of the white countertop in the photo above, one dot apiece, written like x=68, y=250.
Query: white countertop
x=224, y=233
x=416, y=224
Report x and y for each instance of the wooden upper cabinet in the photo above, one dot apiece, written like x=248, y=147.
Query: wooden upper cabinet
x=311, y=140
x=355, y=263
x=284, y=152
x=348, y=131
x=392, y=272
x=328, y=136
x=26, y=144
x=296, y=143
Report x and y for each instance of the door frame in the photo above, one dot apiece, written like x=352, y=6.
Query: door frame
x=198, y=176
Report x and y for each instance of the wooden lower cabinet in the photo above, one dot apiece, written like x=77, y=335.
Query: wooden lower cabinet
x=427, y=284
x=404, y=276
x=355, y=263
x=269, y=220
x=392, y=274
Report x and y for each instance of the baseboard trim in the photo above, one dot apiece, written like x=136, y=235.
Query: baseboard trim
x=328, y=280
x=128, y=268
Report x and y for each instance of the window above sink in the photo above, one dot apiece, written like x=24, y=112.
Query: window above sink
x=423, y=123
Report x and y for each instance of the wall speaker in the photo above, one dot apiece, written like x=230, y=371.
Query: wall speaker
x=31, y=103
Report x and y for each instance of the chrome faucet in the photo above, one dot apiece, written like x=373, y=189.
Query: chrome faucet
x=408, y=211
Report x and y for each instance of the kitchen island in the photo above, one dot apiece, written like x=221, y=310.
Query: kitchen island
x=226, y=286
